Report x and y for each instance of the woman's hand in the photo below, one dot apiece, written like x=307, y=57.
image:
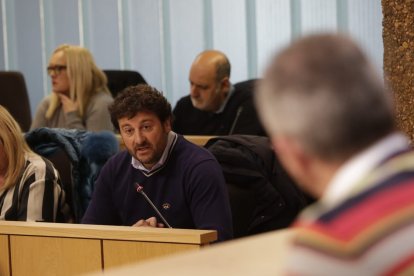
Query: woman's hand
x=67, y=104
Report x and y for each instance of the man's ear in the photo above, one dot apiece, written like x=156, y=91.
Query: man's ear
x=291, y=154
x=167, y=125
x=225, y=84
x=311, y=173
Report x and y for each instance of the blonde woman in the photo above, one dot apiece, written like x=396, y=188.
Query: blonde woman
x=80, y=95
x=30, y=188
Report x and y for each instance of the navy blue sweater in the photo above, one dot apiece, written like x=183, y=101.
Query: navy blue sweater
x=189, y=191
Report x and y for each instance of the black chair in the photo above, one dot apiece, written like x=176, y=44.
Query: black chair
x=63, y=164
x=14, y=97
x=120, y=79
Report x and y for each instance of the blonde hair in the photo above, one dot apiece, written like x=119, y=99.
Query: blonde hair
x=85, y=78
x=15, y=148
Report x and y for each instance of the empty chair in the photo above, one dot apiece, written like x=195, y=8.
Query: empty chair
x=14, y=97
x=120, y=79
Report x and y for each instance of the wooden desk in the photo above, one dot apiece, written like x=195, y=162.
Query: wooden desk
x=196, y=139
x=256, y=255
x=34, y=248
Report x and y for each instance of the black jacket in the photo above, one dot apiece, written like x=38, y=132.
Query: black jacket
x=262, y=195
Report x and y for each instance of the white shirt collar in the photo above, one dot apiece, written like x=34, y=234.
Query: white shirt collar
x=348, y=174
x=172, y=137
x=223, y=105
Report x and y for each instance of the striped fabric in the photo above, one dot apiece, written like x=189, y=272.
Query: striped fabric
x=370, y=233
x=37, y=197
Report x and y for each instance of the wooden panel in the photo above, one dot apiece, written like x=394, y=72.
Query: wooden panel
x=263, y=254
x=54, y=256
x=68, y=230
x=4, y=255
x=117, y=253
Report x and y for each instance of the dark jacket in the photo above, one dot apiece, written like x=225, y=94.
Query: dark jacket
x=87, y=152
x=262, y=195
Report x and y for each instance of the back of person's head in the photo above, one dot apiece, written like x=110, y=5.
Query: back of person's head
x=85, y=78
x=323, y=92
x=139, y=98
x=14, y=146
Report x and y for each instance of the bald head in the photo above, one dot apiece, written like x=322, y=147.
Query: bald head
x=215, y=62
x=209, y=80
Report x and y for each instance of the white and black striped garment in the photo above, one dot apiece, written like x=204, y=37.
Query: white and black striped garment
x=38, y=195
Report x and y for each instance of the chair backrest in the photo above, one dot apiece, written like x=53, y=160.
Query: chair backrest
x=63, y=164
x=120, y=79
x=14, y=97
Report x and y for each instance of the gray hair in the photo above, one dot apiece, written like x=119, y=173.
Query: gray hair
x=323, y=92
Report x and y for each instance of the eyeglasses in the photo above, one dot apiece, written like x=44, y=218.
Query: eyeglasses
x=56, y=70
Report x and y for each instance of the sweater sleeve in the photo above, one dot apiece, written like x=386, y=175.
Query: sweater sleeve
x=101, y=208
x=208, y=199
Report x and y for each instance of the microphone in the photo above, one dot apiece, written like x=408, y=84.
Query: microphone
x=140, y=189
x=239, y=111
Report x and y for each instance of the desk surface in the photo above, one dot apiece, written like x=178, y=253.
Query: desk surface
x=257, y=255
x=188, y=236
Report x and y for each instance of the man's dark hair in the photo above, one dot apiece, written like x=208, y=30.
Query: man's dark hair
x=139, y=98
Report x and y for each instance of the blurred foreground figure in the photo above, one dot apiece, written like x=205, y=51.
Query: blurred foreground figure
x=331, y=123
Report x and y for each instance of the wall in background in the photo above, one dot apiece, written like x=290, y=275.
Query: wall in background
x=160, y=38
x=398, y=33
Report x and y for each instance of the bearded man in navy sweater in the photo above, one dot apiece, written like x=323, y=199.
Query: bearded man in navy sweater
x=162, y=180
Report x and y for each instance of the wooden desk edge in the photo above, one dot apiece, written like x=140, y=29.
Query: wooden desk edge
x=263, y=254
x=188, y=236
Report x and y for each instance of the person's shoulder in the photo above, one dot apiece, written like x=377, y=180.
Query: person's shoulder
x=119, y=158
x=243, y=93
x=39, y=164
x=46, y=100
x=248, y=85
x=102, y=97
x=193, y=152
x=184, y=102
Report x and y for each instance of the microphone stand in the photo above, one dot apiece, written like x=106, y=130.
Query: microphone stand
x=236, y=119
x=140, y=190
